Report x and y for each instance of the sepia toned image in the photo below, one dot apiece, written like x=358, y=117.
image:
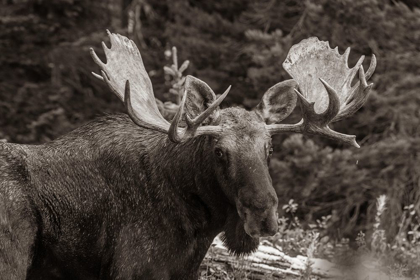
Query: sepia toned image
x=210, y=140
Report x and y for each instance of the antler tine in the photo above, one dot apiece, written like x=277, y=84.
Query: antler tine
x=355, y=69
x=96, y=58
x=173, y=133
x=196, y=122
x=324, y=118
x=97, y=76
x=193, y=125
x=359, y=94
x=314, y=123
x=372, y=67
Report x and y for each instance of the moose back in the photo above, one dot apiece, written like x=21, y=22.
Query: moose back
x=136, y=197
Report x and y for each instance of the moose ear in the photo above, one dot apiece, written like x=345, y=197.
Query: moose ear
x=278, y=102
x=199, y=97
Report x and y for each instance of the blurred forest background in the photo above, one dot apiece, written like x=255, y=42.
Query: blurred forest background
x=47, y=89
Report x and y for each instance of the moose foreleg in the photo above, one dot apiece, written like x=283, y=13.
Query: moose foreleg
x=17, y=236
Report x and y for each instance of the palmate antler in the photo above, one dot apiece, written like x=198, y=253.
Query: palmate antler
x=124, y=73
x=324, y=79
x=326, y=94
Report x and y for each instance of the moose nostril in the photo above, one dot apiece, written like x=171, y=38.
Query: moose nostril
x=252, y=231
x=273, y=230
x=270, y=227
x=269, y=232
x=255, y=235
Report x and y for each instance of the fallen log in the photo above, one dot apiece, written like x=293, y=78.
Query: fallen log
x=269, y=262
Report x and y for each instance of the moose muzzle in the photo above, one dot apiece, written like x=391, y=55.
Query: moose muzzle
x=258, y=212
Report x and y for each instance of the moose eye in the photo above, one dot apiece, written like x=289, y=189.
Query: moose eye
x=270, y=151
x=218, y=153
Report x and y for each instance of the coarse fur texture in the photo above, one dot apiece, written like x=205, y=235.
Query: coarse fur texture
x=112, y=200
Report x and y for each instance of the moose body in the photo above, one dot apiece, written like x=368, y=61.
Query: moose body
x=140, y=198
x=113, y=200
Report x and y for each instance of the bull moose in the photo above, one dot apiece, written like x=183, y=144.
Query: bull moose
x=136, y=197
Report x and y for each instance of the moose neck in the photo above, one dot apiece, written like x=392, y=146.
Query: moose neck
x=188, y=170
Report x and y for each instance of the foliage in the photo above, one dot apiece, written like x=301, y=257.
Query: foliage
x=371, y=257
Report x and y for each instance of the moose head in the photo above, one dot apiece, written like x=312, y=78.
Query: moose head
x=239, y=141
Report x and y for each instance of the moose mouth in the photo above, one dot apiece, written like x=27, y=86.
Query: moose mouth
x=251, y=233
x=235, y=238
x=244, y=227
x=257, y=227
x=258, y=222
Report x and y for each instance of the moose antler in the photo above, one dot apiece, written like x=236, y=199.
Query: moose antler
x=326, y=94
x=124, y=73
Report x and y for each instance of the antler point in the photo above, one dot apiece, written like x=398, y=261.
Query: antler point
x=105, y=47
x=106, y=78
x=97, y=76
x=189, y=121
x=354, y=143
x=96, y=58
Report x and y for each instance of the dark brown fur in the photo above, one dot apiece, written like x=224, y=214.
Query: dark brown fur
x=111, y=200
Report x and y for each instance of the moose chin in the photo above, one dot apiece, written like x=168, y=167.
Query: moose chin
x=133, y=196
